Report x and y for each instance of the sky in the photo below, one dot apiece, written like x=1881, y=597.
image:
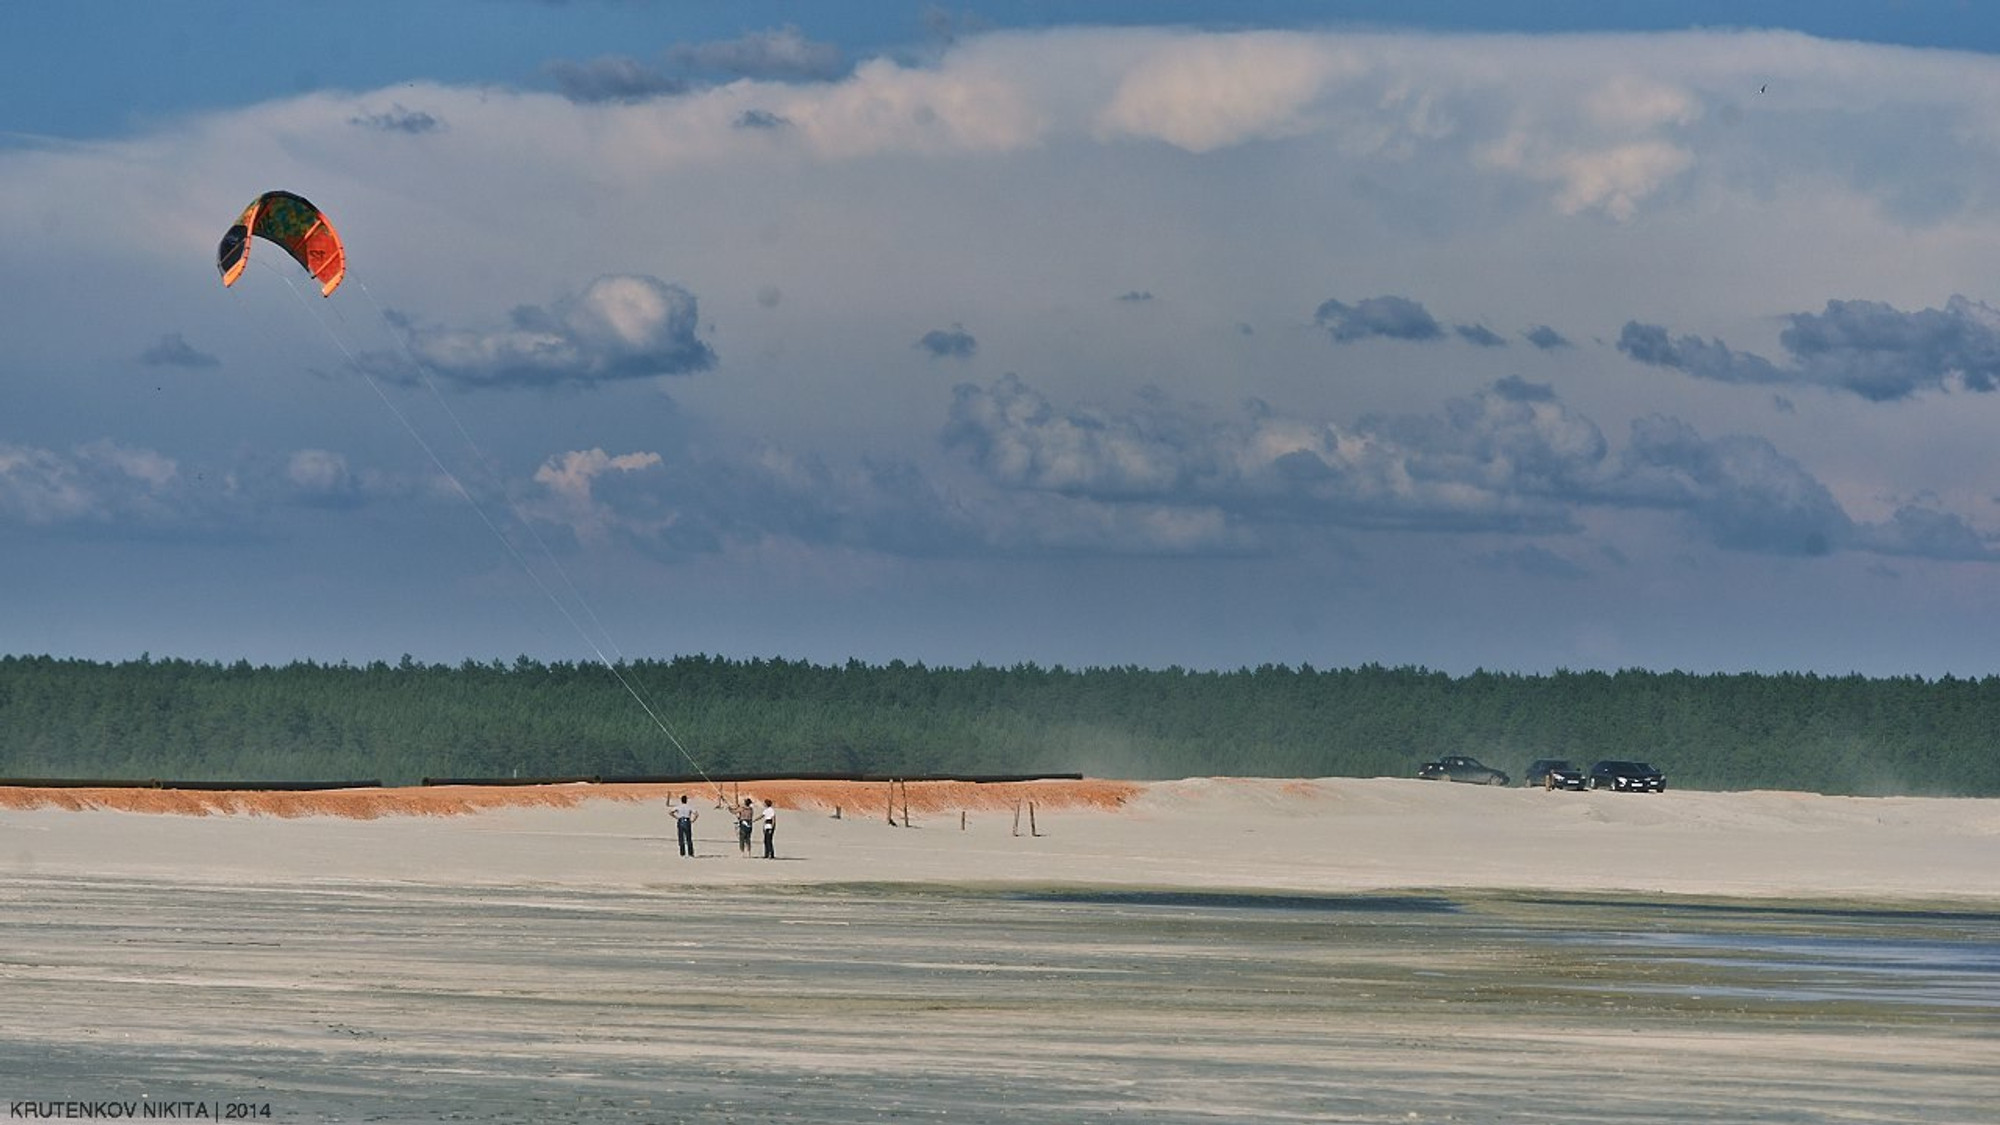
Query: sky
x=1506, y=336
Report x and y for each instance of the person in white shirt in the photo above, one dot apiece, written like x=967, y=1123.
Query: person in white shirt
x=770, y=829
x=684, y=817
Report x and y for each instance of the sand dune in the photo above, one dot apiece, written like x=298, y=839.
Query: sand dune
x=457, y=800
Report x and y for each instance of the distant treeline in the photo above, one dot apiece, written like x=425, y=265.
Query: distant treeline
x=193, y=720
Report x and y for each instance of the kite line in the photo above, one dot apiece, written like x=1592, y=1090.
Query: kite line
x=303, y=231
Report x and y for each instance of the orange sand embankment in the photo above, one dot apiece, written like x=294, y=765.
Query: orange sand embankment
x=852, y=797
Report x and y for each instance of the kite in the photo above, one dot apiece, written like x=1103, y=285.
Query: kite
x=292, y=223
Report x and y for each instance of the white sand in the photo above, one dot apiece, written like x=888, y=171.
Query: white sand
x=563, y=964
x=1329, y=835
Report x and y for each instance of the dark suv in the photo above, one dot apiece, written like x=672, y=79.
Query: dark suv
x=1554, y=773
x=1457, y=767
x=1627, y=777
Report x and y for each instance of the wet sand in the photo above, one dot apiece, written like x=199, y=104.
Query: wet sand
x=1157, y=960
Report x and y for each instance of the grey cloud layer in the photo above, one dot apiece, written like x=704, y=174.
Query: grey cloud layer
x=1867, y=348
x=1157, y=478
x=1512, y=458
x=1164, y=478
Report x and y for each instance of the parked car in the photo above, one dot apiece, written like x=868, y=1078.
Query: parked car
x=1457, y=767
x=1627, y=777
x=1554, y=773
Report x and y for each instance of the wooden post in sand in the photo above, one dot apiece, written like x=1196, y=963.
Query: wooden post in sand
x=892, y=802
x=1032, y=830
x=1017, y=816
x=906, y=804
x=961, y=820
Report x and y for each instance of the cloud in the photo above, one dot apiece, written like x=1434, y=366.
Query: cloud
x=570, y=480
x=1020, y=440
x=1741, y=492
x=1513, y=388
x=1511, y=459
x=1545, y=338
x=1491, y=464
x=99, y=483
x=613, y=78
x=1479, y=335
x=1650, y=344
x=1136, y=296
x=1201, y=93
x=760, y=119
x=974, y=106
x=105, y=487
x=619, y=327
x=173, y=350
x=397, y=119
x=1879, y=353
x=1925, y=533
x=1392, y=318
x=1616, y=180
x=1866, y=348
x=1608, y=148
x=321, y=478
x=949, y=343
x=783, y=54
x=701, y=501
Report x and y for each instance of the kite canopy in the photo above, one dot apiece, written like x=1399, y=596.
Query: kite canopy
x=292, y=223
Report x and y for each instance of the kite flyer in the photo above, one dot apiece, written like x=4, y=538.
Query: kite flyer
x=684, y=817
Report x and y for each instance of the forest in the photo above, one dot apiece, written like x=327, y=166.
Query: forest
x=399, y=723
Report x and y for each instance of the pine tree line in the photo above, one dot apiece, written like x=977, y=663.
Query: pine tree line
x=203, y=721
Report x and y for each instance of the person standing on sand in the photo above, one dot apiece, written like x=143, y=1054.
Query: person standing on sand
x=746, y=818
x=770, y=829
x=684, y=817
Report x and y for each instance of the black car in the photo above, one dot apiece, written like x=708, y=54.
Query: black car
x=1554, y=773
x=1627, y=777
x=1457, y=767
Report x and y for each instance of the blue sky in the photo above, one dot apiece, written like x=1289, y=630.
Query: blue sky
x=1515, y=336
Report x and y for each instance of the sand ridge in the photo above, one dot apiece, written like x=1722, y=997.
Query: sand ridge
x=926, y=797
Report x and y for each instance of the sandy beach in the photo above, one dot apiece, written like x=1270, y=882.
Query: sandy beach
x=1327, y=835
x=1196, y=950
